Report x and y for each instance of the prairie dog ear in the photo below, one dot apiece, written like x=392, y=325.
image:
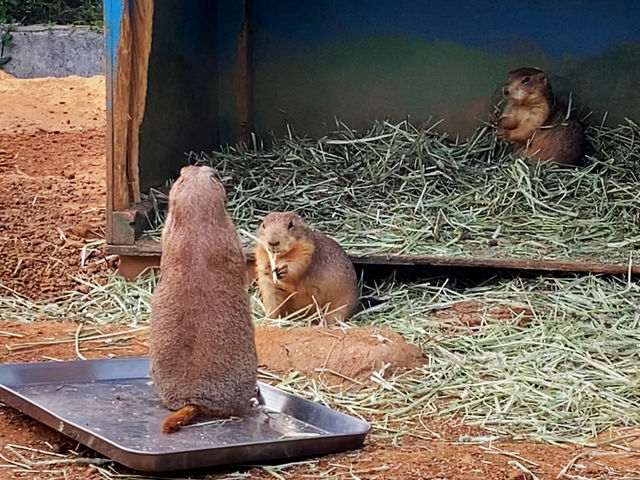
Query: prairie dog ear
x=542, y=78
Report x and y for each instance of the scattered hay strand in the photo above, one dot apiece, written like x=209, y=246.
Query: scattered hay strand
x=42, y=461
x=115, y=302
x=567, y=373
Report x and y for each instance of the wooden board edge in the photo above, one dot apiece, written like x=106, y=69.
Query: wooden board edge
x=141, y=30
x=152, y=248
x=129, y=224
x=498, y=263
x=118, y=52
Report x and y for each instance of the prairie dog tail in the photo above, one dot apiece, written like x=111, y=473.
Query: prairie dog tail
x=177, y=419
x=184, y=415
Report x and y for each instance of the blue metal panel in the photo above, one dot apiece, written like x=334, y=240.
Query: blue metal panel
x=365, y=59
x=181, y=111
x=559, y=28
x=359, y=60
x=113, y=11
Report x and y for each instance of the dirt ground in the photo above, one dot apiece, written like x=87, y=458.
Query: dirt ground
x=52, y=179
x=52, y=184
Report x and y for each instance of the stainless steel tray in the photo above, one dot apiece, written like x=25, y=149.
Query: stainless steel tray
x=110, y=406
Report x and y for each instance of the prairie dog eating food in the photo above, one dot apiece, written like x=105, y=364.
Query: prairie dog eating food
x=534, y=123
x=298, y=268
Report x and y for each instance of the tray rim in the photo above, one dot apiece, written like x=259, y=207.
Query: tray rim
x=120, y=454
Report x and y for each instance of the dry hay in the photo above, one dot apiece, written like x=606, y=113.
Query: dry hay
x=400, y=189
x=553, y=359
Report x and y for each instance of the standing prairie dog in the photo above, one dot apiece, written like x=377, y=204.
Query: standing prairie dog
x=202, y=344
x=535, y=123
x=298, y=268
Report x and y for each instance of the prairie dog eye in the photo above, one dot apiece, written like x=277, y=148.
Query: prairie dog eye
x=526, y=79
x=290, y=226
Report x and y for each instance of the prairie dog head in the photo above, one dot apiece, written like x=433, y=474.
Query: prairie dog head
x=279, y=231
x=197, y=194
x=526, y=84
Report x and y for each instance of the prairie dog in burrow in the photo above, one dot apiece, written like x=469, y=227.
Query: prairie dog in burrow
x=535, y=124
x=298, y=267
x=202, y=344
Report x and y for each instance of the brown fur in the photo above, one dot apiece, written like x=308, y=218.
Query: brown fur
x=311, y=268
x=534, y=123
x=202, y=345
x=179, y=418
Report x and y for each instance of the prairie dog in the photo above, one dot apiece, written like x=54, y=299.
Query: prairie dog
x=535, y=123
x=202, y=345
x=309, y=269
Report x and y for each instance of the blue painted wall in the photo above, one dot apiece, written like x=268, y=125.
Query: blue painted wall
x=181, y=112
x=113, y=10
x=365, y=59
x=558, y=28
x=359, y=60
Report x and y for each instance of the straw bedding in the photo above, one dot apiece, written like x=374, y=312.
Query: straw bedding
x=399, y=189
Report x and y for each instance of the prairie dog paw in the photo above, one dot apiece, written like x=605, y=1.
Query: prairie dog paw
x=281, y=271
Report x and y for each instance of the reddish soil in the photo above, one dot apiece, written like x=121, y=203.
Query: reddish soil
x=70, y=104
x=52, y=148
x=52, y=175
x=437, y=454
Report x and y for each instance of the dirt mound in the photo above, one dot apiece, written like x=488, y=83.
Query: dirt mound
x=470, y=316
x=51, y=104
x=314, y=352
x=335, y=355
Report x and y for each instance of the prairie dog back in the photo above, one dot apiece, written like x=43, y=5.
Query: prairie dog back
x=202, y=346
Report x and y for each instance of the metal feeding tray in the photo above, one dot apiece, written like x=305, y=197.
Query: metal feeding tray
x=110, y=406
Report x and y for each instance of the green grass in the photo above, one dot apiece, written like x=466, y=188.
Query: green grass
x=49, y=12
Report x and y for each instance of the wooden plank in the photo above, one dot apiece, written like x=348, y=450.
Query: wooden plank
x=146, y=247
x=143, y=247
x=505, y=263
x=142, y=26
x=127, y=225
x=118, y=52
x=130, y=266
x=244, y=86
x=113, y=11
x=120, y=127
x=127, y=46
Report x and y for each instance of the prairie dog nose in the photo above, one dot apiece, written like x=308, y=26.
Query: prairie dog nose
x=505, y=91
x=274, y=244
